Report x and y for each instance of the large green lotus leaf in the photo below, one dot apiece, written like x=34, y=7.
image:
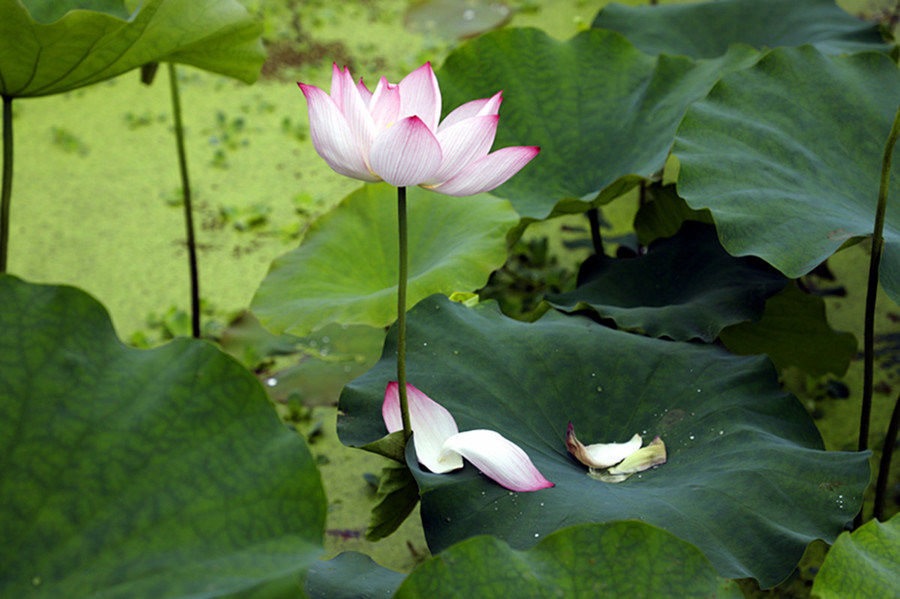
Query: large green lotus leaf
x=617, y=559
x=52, y=47
x=862, y=564
x=350, y=575
x=794, y=331
x=345, y=271
x=747, y=480
x=603, y=112
x=787, y=156
x=685, y=287
x=707, y=29
x=141, y=473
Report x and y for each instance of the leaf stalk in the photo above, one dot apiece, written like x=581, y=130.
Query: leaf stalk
x=6, y=193
x=186, y=196
x=884, y=468
x=871, y=293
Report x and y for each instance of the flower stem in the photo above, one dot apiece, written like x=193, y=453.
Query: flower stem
x=884, y=468
x=871, y=293
x=401, y=311
x=6, y=194
x=188, y=211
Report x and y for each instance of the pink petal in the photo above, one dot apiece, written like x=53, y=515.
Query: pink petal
x=332, y=137
x=488, y=172
x=406, y=153
x=420, y=95
x=364, y=92
x=468, y=110
x=357, y=115
x=431, y=424
x=498, y=458
x=464, y=143
x=337, y=82
x=385, y=104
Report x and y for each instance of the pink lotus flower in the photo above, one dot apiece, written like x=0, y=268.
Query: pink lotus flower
x=440, y=446
x=393, y=135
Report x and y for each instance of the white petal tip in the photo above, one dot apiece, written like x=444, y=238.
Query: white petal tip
x=499, y=459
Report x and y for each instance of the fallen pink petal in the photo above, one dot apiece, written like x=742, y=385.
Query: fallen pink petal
x=498, y=458
x=431, y=423
x=394, y=134
x=440, y=446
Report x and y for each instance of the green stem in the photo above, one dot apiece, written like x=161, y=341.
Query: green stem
x=884, y=468
x=596, y=237
x=401, y=311
x=6, y=194
x=871, y=293
x=188, y=211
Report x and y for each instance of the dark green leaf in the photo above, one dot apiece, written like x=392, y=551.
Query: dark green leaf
x=619, y=559
x=787, y=156
x=685, y=287
x=747, y=480
x=707, y=29
x=397, y=495
x=141, y=473
x=603, y=113
x=862, y=564
x=351, y=575
x=55, y=48
x=664, y=213
x=794, y=331
x=346, y=269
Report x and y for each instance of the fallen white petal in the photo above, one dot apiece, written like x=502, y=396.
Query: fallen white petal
x=600, y=455
x=498, y=458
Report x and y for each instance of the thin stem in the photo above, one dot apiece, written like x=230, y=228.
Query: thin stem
x=871, y=293
x=6, y=194
x=884, y=468
x=596, y=237
x=188, y=211
x=401, y=311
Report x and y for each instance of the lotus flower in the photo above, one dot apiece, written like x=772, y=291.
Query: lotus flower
x=393, y=135
x=440, y=446
x=615, y=462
